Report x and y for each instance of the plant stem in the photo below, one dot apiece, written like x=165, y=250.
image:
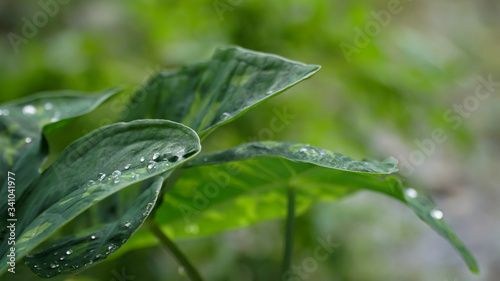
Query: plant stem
x=188, y=267
x=289, y=231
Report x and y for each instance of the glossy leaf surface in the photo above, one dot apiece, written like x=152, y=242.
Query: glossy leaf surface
x=94, y=167
x=247, y=184
x=206, y=95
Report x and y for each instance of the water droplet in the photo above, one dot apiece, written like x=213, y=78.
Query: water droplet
x=148, y=209
x=309, y=151
x=48, y=106
x=29, y=109
x=151, y=165
x=92, y=237
x=111, y=246
x=437, y=214
x=90, y=183
x=412, y=193
x=27, y=140
x=54, y=119
x=181, y=270
x=116, y=174
x=133, y=175
x=127, y=166
x=35, y=266
x=68, y=252
x=225, y=116
x=128, y=224
x=52, y=265
x=205, y=159
x=61, y=258
x=269, y=92
x=102, y=176
x=142, y=159
x=156, y=155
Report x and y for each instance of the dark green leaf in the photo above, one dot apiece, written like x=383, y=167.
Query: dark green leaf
x=217, y=193
x=76, y=252
x=206, y=95
x=23, y=148
x=94, y=167
x=209, y=199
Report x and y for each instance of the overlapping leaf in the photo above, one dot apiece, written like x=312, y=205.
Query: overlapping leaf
x=217, y=193
x=23, y=148
x=94, y=167
x=78, y=251
x=206, y=95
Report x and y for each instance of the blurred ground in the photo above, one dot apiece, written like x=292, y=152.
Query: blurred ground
x=392, y=74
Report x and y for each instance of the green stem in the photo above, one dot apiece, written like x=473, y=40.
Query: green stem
x=188, y=267
x=289, y=230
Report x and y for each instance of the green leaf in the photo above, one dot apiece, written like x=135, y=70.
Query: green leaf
x=23, y=147
x=76, y=252
x=94, y=167
x=206, y=95
x=214, y=198
x=217, y=193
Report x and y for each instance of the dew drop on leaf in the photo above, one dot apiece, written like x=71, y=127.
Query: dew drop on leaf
x=27, y=140
x=225, y=116
x=156, y=155
x=127, y=166
x=151, y=165
x=412, y=193
x=142, y=159
x=29, y=109
x=48, y=106
x=437, y=214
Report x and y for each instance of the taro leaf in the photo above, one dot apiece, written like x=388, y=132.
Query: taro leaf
x=23, y=147
x=206, y=95
x=217, y=193
x=210, y=198
x=94, y=167
x=76, y=252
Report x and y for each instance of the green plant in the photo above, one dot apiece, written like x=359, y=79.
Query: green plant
x=149, y=168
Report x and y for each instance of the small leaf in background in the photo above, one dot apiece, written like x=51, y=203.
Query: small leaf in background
x=206, y=95
x=247, y=184
x=94, y=167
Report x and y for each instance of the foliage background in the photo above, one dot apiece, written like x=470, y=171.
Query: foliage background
x=390, y=95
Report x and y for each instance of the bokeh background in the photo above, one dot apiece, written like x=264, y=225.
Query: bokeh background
x=381, y=100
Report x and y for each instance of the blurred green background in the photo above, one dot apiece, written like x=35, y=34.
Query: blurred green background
x=396, y=86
